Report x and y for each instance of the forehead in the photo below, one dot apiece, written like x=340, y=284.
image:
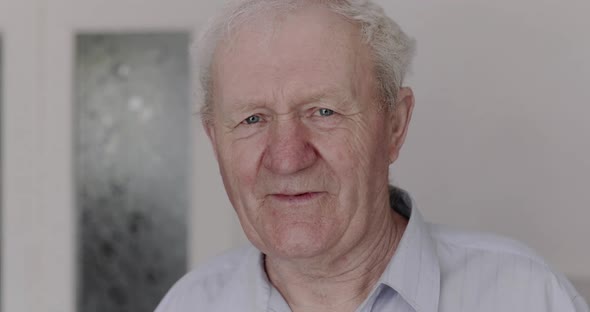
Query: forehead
x=308, y=49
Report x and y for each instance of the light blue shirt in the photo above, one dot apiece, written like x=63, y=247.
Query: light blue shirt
x=434, y=268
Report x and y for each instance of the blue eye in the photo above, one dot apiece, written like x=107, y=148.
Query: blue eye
x=324, y=112
x=252, y=119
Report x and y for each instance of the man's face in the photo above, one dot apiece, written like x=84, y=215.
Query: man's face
x=303, y=147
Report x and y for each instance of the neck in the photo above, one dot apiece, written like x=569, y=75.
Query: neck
x=344, y=282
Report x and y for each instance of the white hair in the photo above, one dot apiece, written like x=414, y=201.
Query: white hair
x=392, y=50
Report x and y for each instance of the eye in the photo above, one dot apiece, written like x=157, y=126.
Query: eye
x=252, y=120
x=325, y=112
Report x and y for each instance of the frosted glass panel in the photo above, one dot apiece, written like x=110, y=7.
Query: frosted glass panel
x=132, y=144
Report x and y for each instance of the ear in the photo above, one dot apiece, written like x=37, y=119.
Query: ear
x=210, y=130
x=400, y=118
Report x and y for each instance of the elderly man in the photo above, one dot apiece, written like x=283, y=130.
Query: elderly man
x=305, y=109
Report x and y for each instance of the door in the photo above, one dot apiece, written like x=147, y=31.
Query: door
x=111, y=190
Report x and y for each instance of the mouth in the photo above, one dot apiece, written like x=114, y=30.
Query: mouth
x=296, y=198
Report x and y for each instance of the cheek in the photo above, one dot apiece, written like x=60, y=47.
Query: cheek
x=370, y=143
x=241, y=159
x=354, y=153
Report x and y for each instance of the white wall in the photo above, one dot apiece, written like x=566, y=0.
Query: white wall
x=500, y=139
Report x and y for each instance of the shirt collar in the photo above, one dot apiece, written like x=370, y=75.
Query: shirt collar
x=414, y=271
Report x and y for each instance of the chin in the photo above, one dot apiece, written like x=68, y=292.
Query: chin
x=298, y=242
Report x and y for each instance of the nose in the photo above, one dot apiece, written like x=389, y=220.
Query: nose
x=289, y=150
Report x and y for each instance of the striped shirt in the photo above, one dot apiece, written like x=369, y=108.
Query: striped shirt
x=434, y=268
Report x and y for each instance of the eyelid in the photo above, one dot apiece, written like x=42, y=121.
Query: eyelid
x=316, y=111
x=245, y=120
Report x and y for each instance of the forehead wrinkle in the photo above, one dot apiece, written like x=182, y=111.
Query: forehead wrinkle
x=249, y=97
x=329, y=94
x=348, y=41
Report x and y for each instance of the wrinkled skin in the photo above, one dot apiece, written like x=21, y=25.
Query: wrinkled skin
x=301, y=141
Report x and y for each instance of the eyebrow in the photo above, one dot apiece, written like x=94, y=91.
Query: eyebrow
x=321, y=94
x=342, y=97
x=329, y=94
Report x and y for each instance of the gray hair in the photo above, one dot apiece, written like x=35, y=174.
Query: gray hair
x=392, y=50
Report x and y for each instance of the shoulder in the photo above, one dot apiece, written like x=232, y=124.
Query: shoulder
x=472, y=242
x=501, y=270
x=209, y=286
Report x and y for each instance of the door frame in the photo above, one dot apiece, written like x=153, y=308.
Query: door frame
x=39, y=217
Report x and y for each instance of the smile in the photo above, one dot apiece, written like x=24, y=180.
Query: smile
x=296, y=198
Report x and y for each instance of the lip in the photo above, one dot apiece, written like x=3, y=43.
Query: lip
x=296, y=197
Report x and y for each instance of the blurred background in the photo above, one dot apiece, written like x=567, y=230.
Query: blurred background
x=110, y=191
